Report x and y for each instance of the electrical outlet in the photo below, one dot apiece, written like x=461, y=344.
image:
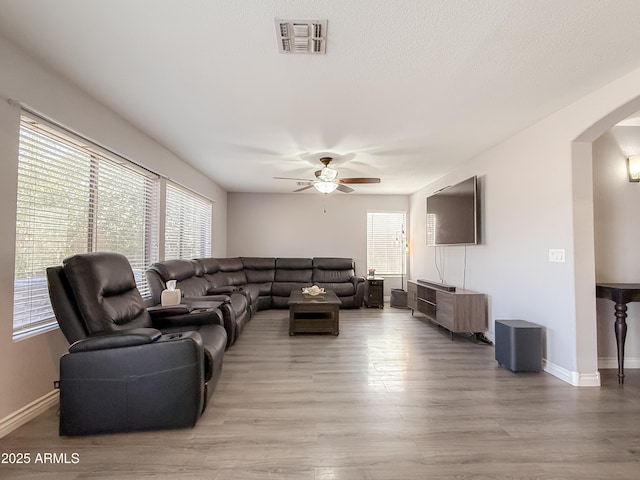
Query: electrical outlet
x=556, y=255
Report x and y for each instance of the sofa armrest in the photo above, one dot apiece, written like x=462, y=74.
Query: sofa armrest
x=151, y=386
x=203, y=301
x=195, y=313
x=357, y=280
x=159, y=311
x=226, y=290
x=126, y=338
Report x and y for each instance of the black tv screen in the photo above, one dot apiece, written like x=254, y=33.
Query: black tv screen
x=452, y=215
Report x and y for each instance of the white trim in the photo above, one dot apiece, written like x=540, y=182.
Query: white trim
x=612, y=362
x=15, y=420
x=576, y=379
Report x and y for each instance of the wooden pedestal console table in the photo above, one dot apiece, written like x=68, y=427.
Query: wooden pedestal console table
x=621, y=294
x=455, y=309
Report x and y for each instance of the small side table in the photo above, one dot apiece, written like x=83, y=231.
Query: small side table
x=374, y=292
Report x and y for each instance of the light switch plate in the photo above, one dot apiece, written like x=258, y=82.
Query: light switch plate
x=556, y=255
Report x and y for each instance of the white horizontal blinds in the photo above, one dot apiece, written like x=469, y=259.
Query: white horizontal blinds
x=187, y=224
x=385, y=246
x=73, y=199
x=52, y=215
x=126, y=217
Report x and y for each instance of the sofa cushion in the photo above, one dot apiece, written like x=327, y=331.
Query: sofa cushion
x=284, y=289
x=260, y=289
x=185, y=272
x=258, y=263
x=304, y=276
x=259, y=269
x=332, y=270
x=230, y=264
x=178, y=269
x=234, y=278
x=193, y=287
x=341, y=289
x=294, y=270
x=105, y=292
x=294, y=263
x=332, y=276
x=333, y=263
x=231, y=273
x=209, y=265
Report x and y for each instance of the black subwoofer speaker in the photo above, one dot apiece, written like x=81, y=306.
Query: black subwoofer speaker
x=518, y=345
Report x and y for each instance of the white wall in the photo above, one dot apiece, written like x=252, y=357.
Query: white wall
x=296, y=225
x=29, y=367
x=617, y=236
x=536, y=194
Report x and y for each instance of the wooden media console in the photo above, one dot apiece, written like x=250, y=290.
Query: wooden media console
x=455, y=309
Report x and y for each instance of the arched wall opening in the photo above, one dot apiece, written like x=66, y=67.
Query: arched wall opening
x=584, y=234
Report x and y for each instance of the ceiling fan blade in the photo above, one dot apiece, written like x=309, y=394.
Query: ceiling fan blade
x=359, y=180
x=303, y=188
x=289, y=178
x=345, y=189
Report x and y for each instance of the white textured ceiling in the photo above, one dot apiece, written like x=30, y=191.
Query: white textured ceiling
x=407, y=90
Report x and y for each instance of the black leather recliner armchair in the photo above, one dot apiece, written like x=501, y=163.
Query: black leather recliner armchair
x=126, y=370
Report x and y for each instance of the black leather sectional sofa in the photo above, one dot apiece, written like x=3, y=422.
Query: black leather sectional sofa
x=135, y=365
x=250, y=284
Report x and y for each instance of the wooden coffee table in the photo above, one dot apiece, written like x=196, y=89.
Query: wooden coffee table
x=319, y=314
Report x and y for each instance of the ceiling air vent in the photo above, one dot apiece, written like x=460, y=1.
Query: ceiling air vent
x=301, y=36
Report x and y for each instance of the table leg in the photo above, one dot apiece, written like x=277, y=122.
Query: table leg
x=620, y=328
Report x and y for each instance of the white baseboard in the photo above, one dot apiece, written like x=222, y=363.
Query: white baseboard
x=9, y=423
x=576, y=379
x=612, y=362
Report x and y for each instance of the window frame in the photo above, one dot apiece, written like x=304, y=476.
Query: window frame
x=97, y=158
x=393, y=234
x=199, y=204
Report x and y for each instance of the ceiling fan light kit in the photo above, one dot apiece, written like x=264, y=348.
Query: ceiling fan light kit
x=327, y=180
x=325, y=187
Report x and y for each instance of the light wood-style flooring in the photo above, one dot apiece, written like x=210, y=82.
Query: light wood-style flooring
x=391, y=398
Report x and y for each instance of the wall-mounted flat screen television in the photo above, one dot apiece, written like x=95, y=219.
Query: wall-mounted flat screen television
x=452, y=217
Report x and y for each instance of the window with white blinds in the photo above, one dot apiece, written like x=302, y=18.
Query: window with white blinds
x=74, y=198
x=386, y=243
x=187, y=231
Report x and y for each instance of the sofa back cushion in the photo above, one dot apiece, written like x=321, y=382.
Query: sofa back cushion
x=231, y=273
x=332, y=270
x=105, y=292
x=259, y=269
x=187, y=273
x=294, y=270
x=178, y=269
x=209, y=265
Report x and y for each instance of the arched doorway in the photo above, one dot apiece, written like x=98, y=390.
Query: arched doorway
x=584, y=242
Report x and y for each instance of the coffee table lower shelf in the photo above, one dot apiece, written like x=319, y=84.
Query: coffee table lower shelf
x=313, y=322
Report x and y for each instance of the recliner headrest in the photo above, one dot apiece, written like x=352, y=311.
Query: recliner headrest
x=209, y=265
x=179, y=269
x=230, y=264
x=109, y=272
x=294, y=263
x=332, y=263
x=105, y=291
